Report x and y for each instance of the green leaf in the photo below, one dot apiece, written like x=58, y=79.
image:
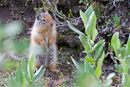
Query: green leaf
x=99, y=50
x=117, y=66
x=19, y=77
x=11, y=82
x=98, y=71
x=126, y=80
x=124, y=66
x=127, y=61
x=109, y=20
x=84, y=40
x=90, y=60
x=91, y=25
x=20, y=46
x=118, y=52
x=85, y=43
x=87, y=67
x=89, y=11
x=2, y=33
x=121, y=51
x=83, y=17
x=24, y=66
x=128, y=44
x=94, y=35
x=74, y=29
x=43, y=3
x=39, y=74
x=97, y=45
x=26, y=76
x=116, y=19
x=115, y=42
x=36, y=85
x=31, y=67
x=24, y=82
x=86, y=79
x=77, y=65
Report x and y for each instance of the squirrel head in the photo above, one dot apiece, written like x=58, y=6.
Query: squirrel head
x=44, y=21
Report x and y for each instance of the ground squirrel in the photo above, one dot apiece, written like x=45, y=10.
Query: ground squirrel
x=43, y=41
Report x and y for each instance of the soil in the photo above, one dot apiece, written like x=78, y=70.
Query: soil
x=68, y=43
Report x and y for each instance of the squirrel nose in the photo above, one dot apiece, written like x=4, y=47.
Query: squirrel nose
x=51, y=24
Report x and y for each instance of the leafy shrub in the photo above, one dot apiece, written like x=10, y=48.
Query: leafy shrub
x=26, y=77
x=90, y=72
x=117, y=21
x=9, y=41
x=123, y=55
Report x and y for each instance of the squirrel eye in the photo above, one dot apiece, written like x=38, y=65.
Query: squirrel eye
x=43, y=20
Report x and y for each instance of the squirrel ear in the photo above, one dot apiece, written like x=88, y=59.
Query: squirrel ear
x=38, y=16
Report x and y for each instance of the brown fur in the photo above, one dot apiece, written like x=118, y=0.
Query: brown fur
x=46, y=31
x=40, y=41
